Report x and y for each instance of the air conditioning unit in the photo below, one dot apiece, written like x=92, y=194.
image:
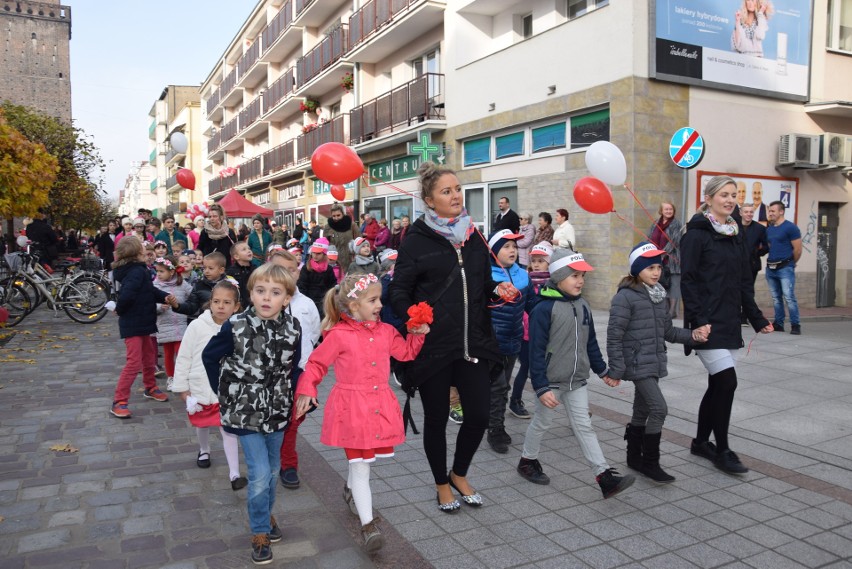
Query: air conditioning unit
x=799, y=150
x=835, y=149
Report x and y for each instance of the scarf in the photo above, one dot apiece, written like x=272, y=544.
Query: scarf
x=362, y=260
x=216, y=234
x=456, y=230
x=658, y=234
x=656, y=292
x=319, y=267
x=342, y=225
x=729, y=228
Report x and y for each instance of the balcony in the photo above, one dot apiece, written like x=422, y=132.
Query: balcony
x=154, y=184
x=249, y=71
x=152, y=158
x=314, y=13
x=172, y=183
x=322, y=58
x=280, y=36
x=152, y=130
x=331, y=131
x=230, y=95
x=214, y=143
x=278, y=101
x=219, y=184
x=251, y=169
x=396, y=22
x=213, y=101
x=173, y=156
x=408, y=105
x=250, y=127
x=176, y=208
x=279, y=158
x=229, y=132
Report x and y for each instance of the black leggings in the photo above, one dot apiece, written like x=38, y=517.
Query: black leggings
x=714, y=414
x=472, y=381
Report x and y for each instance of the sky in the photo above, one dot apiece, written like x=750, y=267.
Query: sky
x=123, y=54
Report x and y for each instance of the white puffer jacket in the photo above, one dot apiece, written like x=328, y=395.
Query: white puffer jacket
x=171, y=325
x=190, y=374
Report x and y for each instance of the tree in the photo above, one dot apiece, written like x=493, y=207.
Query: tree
x=78, y=184
x=27, y=172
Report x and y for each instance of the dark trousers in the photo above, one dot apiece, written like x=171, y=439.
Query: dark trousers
x=523, y=371
x=500, y=381
x=473, y=385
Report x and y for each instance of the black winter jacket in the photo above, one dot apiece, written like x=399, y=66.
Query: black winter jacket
x=426, y=260
x=241, y=273
x=223, y=245
x=314, y=285
x=202, y=290
x=716, y=284
x=137, y=300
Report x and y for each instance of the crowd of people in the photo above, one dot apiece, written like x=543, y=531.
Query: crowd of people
x=249, y=327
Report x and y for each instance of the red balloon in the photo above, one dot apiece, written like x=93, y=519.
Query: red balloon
x=336, y=163
x=593, y=195
x=338, y=192
x=186, y=178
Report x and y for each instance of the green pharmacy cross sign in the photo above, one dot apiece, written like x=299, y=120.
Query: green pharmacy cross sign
x=424, y=148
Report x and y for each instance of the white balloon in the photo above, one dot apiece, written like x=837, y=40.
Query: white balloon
x=606, y=162
x=179, y=142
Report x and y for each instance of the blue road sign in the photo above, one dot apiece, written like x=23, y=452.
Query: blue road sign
x=686, y=148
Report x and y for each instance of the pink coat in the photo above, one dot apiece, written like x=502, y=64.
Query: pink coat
x=362, y=410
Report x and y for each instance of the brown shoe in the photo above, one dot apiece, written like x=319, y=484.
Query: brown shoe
x=373, y=539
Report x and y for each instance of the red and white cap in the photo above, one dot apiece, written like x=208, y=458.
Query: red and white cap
x=563, y=262
x=320, y=246
x=499, y=238
x=388, y=255
x=357, y=243
x=332, y=252
x=543, y=248
x=643, y=256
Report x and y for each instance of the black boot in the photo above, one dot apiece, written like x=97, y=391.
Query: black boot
x=633, y=435
x=651, y=459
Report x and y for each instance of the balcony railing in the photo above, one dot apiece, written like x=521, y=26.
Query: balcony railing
x=331, y=131
x=171, y=154
x=154, y=184
x=251, y=169
x=214, y=186
x=276, y=27
x=278, y=158
x=214, y=142
x=301, y=5
x=214, y=99
x=412, y=102
x=250, y=113
x=228, y=84
x=281, y=88
x=248, y=59
x=152, y=158
x=330, y=49
x=172, y=181
x=173, y=208
x=230, y=129
x=372, y=16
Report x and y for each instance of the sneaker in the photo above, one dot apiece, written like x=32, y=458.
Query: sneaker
x=289, y=478
x=728, y=461
x=776, y=327
x=516, y=408
x=704, y=449
x=373, y=540
x=456, y=414
x=499, y=440
x=275, y=534
x=530, y=469
x=612, y=483
x=795, y=330
x=120, y=410
x=261, y=551
x=170, y=384
x=155, y=394
x=350, y=501
x=239, y=483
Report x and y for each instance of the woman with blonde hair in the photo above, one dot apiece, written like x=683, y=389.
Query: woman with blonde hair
x=750, y=27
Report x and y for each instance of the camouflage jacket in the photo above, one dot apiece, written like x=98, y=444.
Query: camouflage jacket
x=249, y=364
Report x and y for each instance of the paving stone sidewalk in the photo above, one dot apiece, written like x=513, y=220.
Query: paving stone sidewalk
x=131, y=496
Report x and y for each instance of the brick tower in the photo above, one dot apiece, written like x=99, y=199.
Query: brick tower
x=35, y=62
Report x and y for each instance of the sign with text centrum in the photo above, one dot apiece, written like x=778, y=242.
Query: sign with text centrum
x=755, y=46
x=396, y=169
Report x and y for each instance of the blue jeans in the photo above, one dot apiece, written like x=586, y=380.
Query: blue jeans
x=263, y=459
x=782, y=284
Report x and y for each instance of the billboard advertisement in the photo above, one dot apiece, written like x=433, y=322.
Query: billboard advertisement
x=760, y=191
x=758, y=46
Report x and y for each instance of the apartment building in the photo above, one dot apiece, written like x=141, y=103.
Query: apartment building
x=511, y=93
x=137, y=193
x=177, y=109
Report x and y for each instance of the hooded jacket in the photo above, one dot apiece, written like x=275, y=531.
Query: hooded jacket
x=507, y=319
x=716, y=284
x=137, y=300
x=563, y=345
x=171, y=325
x=462, y=320
x=637, y=333
x=190, y=374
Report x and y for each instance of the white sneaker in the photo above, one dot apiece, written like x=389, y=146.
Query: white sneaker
x=170, y=383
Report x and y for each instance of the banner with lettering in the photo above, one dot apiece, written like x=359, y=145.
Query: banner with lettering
x=759, y=46
x=759, y=191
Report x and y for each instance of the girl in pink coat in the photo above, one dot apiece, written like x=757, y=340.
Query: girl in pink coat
x=362, y=414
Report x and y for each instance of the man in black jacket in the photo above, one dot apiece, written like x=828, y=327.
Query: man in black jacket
x=44, y=238
x=506, y=219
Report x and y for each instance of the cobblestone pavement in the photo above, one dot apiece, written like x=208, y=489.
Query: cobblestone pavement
x=131, y=495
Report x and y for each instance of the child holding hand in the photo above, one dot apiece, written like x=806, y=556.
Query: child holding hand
x=171, y=326
x=639, y=326
x=362, y=414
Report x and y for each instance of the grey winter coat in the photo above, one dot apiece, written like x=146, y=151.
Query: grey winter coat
x=637, y=333
x=171, y=326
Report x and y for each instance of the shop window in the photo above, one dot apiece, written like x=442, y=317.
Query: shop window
x=477, y=151
x=550, y=137
x=509, y=145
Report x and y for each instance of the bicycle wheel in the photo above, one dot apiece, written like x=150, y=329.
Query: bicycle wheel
x=83, y=299
x=33, y=293
x=16, y=301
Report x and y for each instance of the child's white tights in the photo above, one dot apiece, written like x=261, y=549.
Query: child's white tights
x=230, y=444
x=359, y=483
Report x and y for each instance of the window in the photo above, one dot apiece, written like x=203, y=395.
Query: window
x=548, y=137
x=429, y=62
x=589, y=128
x=527, y=26
x=577, y=8
x=477, y=151
x=840, y=24
x=481, y=202
x=509, y=145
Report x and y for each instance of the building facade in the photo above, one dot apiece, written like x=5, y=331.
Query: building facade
x=36, y=61
x=137, y=193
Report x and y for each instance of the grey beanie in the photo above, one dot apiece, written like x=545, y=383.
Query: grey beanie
x=564, y=262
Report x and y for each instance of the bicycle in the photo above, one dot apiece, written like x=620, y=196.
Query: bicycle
x=80, y=294
x=14, y=298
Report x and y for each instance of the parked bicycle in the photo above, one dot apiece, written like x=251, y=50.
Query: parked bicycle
x=81, y=294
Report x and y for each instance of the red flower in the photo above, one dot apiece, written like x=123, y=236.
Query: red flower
x=419, y=314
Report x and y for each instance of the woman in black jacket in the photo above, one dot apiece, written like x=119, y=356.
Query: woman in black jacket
x=716, y=285
x=444, y=261
x=217, y=236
